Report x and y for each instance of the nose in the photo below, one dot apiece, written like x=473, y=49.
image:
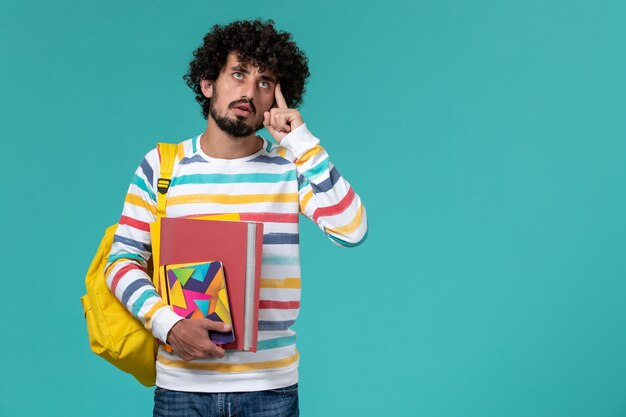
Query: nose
x=248, y=88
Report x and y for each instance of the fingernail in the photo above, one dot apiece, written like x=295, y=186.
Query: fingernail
x=227, y=327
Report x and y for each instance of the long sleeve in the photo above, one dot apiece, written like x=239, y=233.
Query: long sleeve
x=325, y=196
x=131, y=250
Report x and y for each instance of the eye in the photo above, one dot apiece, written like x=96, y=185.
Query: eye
x=264, y=84
x=238, y=75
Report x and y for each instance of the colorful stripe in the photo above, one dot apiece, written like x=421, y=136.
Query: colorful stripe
x=232, y=199
x=137, y=224
x=280, y=305
x=230, y=367
x=271, y=325
x=269, y=217
x=302, y=182
x=145, y=247
x=328, y=183
x=135, y=200
x=337, y=208
x=118, y=256
x=350, y=227
x=119, y=274
x=317, y=170
x=278, y=342
x=110, y=265
x=348, y=244
x=148, y=316
x=309, y=154
x=147, y=171
x=305, y=200
x=281, y=283
x=132, y=287
x=275, y=160
x=233, y=178
x=280, y=260
x=281, y=239
x=263, y=217
x=141, y=300
x=141, y=184
x=195, y=159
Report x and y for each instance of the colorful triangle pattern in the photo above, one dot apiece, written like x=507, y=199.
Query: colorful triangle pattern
x=203, y=306
x=183, y=274
x=198, y=290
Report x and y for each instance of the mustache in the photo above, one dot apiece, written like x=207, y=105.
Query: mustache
x=243, y=101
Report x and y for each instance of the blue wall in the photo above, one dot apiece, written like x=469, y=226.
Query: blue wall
x=487, y=140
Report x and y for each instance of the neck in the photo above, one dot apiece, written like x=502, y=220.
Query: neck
x=218, y=144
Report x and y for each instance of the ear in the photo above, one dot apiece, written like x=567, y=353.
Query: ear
x=207, y=88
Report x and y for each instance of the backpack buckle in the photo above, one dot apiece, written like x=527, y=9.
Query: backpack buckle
x=163, y=184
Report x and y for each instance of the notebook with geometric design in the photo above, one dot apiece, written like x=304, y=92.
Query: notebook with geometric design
x=198, y=290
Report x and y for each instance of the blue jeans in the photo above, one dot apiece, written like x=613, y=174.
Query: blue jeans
x=281, y=402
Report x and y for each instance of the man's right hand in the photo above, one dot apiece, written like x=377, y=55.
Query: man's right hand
x=189, y=338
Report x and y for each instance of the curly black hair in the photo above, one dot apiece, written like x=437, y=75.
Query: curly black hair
x=258, y=43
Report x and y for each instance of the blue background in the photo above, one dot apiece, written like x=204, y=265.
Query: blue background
x=487, y=140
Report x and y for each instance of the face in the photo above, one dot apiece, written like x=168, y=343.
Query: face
x=239, y=97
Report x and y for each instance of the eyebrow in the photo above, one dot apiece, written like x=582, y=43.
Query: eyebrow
x=241, y=68
x=244, y=69
x=267, y=78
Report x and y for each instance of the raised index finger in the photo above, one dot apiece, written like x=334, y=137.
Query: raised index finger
x=280, y=100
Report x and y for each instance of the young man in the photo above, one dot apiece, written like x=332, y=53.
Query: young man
x=246, y=75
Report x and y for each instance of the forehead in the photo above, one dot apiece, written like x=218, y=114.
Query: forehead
x=232, y=62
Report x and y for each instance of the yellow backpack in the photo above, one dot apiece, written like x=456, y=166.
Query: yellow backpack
x=114, y=333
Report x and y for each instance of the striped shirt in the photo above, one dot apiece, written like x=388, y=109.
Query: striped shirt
x=272, y=186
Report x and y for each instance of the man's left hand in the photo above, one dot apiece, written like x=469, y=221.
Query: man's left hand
x=281, y=120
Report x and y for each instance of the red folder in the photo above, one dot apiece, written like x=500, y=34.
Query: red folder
x=238, y=245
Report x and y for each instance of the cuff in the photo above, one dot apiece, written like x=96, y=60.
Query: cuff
x=163, y=321
x=299, y=140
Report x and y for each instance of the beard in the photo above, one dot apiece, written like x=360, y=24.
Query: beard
x=236, y=127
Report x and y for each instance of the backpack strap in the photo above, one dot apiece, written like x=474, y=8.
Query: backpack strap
x=167, y=152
